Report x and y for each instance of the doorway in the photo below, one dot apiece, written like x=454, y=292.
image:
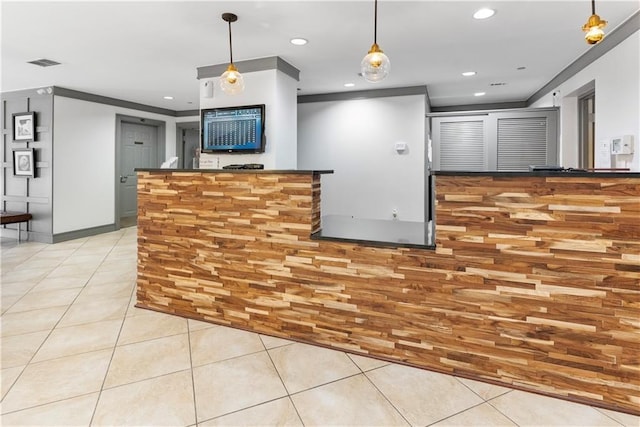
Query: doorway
x=587, y=127
x=187, y=144
x=140, y=144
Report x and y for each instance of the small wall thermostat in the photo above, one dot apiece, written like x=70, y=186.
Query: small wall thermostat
x=401, y=147
x=622, y=144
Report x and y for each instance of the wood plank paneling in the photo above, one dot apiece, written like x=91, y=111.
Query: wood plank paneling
x=534, y=283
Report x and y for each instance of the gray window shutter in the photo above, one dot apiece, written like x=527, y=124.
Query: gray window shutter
x=462, y=145
x=506, y=140
x=522, y=142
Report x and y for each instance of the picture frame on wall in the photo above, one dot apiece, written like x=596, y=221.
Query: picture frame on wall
x=24, y=127
x=23, y=162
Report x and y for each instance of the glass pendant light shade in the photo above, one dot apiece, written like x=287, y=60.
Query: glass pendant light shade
x=376, y=65
x=231, y=81
x=594, y=26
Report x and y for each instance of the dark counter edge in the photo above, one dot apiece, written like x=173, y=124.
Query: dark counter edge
x=545, y=173
x=377, y=243
x=281, y=171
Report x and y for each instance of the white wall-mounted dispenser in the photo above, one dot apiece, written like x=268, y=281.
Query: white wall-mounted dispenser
x=622, y=144
x=206, y=89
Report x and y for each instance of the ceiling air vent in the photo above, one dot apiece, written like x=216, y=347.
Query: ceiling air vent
x=44, y=62
x=498, y=84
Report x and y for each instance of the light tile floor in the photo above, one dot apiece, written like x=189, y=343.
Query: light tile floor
x=75, y=351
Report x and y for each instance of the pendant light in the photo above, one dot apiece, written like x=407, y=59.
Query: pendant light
x=594, y=26
x=231, y=81
x=375, y=66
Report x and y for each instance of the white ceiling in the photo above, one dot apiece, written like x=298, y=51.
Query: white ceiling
x=141, y=51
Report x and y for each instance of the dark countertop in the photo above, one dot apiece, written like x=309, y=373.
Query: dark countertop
x=554, y=173
x=376, y=232
x=279, y=171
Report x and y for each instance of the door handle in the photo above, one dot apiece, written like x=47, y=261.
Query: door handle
x=123, y=179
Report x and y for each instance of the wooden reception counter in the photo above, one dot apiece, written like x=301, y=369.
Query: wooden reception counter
x=533, y=282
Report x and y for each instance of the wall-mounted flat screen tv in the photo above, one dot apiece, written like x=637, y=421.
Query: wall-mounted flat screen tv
x=233, y=129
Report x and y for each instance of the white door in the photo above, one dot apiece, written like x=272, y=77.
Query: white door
x=139, y=150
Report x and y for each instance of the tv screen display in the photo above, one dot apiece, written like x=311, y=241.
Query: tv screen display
x=233, y=129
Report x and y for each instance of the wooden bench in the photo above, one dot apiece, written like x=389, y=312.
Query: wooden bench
x=7, y=217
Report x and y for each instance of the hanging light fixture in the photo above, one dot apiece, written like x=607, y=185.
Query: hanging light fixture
x=231, y=81
x=594, y=26
x=375, y=66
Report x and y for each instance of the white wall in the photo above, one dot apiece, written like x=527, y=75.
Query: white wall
x=278, y=92
x=617, y=83
x=285, y=119
x=84, y=135
x=356, y=138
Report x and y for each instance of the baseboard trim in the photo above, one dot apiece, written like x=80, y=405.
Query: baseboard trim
x=77, y=234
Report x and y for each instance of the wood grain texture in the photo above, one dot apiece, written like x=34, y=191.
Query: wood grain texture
x=534, y=283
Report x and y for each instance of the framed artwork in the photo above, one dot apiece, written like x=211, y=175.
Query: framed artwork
x=23, y=163
x=24, y=126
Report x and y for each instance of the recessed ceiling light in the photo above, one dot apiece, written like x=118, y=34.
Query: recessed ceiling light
x=168, y=97
x=484, y=13
x=479, y=94
x=469, y=73
x=349, y=84
x=298, y=41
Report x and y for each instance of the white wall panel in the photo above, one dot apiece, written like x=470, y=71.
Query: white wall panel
x=84, y=161
x=356, y=138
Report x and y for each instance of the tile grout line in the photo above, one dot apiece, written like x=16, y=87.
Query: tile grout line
x=115, y=344
x=497, y=409
x=146, y=339
x=50, y=331
x=168, y=373
x=385, y=396
x=46, y=403
x=47, y=337
x=75, y=250
x=221, y=360
x=289, y=395
x=243, y=409
x=479, y=404
x=113, y=351
x=227, y=359
x=463, y=411
x=39, y=280
x=608, y=416
x=327, y=383
x=295, y=408
x=193, y=379
x=489, y=401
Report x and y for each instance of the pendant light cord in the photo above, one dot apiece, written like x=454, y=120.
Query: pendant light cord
x=375, y=22
x=230, y=47
x=593, y=7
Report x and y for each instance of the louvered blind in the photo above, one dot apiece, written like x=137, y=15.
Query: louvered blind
x=521, y=142
x=462, y=145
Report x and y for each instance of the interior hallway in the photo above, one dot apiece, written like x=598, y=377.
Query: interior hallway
x=75, y=351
